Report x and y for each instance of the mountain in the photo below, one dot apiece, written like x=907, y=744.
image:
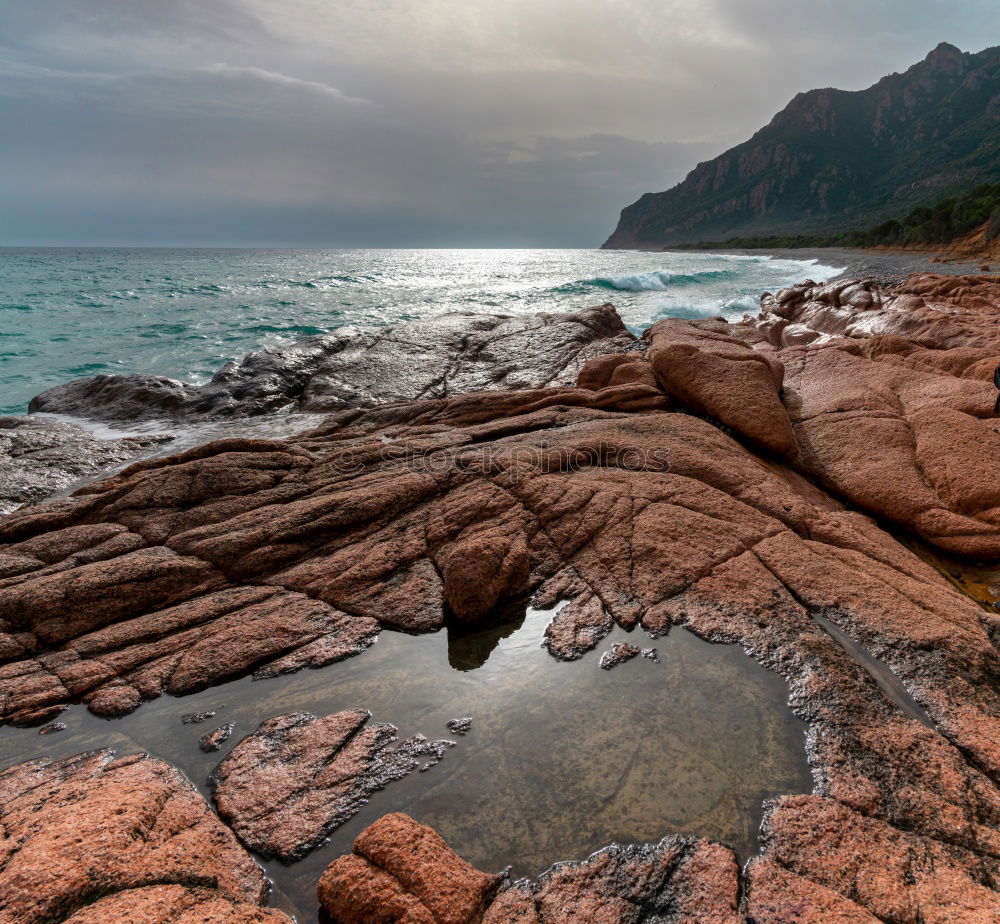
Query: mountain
x=836, y=159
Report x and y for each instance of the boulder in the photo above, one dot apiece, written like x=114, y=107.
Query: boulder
x=711, y=373
x=403, y=871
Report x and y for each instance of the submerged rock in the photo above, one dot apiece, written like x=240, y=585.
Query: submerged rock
x=94, y=840
x=402, y=871
x=52, y=728
x=460, y=726
x=196, y=718
x=289, y=784
x=437, y=357
x=40, y=456
x=617, y=654
x=213, y=740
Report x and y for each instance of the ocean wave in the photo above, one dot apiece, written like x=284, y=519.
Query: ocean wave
x=657, y=281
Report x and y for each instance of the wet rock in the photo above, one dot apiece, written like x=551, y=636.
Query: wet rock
x=578, y=627
x=40, y=456
x=617, y=654
x=289, y=784
x=650, y=655
x=777, y=895
x=52, y=728
x=437, y=357
x=213, y=740
x=460, y=726
x=140, y=655
x=196, y=718
x=680, y=879
x=94, y=840
x=403, y=871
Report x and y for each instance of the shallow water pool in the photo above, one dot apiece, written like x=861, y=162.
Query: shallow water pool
x=562, y=758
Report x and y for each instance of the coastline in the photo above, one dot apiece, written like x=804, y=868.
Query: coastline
x=882, y=265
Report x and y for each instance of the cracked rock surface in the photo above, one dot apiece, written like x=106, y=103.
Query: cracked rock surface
x=401, y=870
x=681, y=879
x=286, y=554
x=94, y=840
x=289, y=784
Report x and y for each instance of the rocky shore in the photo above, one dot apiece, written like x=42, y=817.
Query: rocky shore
x=743, y=481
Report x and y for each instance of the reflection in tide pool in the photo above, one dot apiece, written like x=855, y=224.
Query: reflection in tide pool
x=561, y=758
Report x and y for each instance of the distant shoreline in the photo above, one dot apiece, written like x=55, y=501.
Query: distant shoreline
x=885, y=265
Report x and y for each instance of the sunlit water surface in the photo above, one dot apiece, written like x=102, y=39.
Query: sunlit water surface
x=67, y=314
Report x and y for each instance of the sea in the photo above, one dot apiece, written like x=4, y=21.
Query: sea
x=72, y=313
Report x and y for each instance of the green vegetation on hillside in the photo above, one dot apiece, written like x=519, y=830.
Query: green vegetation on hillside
x=942, y=223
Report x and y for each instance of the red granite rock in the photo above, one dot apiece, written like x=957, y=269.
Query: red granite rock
x=94, y=840
x=893, y=875
x=410, y=514
x=712, y=373
x=680, y=879
x=286, y=786
x=402, y=871
x=892, y=399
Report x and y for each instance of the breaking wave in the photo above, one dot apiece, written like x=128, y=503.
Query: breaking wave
x=657, y=281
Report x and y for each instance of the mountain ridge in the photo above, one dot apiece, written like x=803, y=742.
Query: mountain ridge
x=833, y=159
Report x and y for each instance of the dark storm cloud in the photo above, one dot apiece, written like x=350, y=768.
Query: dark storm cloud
x=384, y=122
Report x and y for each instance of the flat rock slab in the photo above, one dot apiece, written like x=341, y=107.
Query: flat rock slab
x=284, y=788
x=40, y=457
x=94, y=840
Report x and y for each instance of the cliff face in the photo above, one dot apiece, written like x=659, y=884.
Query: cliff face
x=834, y=159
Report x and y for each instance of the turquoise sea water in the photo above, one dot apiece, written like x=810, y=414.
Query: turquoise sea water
x=71, y=313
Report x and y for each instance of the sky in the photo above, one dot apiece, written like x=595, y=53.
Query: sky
x=399, y=123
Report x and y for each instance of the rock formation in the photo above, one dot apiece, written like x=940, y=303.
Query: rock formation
x=436, y=357
x=891, y=398
x=403, y=871
x=40, y=456
x=94, y=840
x=681, y=879
x=289, y=784
x=608, y=506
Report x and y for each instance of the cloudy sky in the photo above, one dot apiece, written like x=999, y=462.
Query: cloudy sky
x=406, y=122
